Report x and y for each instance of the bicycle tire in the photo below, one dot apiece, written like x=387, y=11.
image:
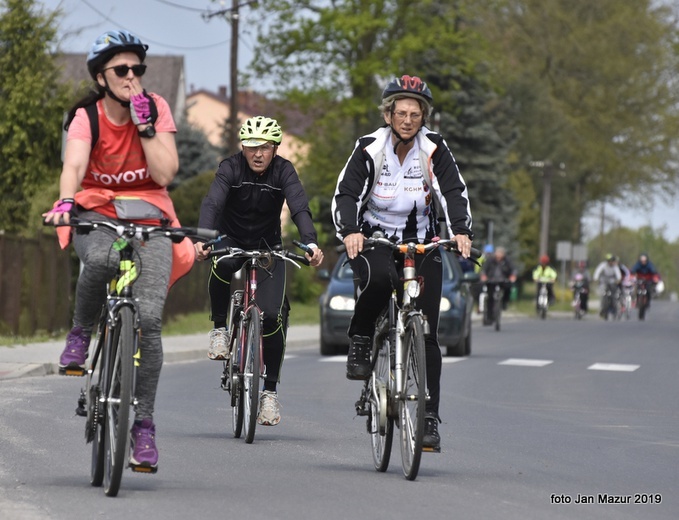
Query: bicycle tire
x=381, y=423
x=94, y=428
x=411, y=405
x=235, y=382
x=118, y=400
x=251, y=373
x=497, y=311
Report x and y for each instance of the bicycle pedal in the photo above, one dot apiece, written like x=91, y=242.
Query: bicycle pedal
x=140, y=468
x=428, y=449
x=75, y=371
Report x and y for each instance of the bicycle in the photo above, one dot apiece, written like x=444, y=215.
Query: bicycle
x=609, y=301
x=642, y=297
x=627, y=302
x=578, y=291
x=244, y=366
x=109, y=390
x=493, y=311
x=543, y=300
x=396, y=389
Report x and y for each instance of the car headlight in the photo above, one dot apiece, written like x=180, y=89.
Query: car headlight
x=445, y=304
x=341, y=303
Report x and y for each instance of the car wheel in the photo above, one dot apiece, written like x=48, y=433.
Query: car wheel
x=462, y=347
x=328, y=349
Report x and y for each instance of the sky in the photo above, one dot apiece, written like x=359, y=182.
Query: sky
x=661, y=216
x=178, y=27
x=169, y=27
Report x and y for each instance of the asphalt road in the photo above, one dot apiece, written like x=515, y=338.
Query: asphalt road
x=544, y=417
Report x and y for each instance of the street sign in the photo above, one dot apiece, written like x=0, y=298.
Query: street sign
x=563, y=250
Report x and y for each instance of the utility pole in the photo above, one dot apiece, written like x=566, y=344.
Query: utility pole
x=547, y=174
x=232, y=14
x=233, y=105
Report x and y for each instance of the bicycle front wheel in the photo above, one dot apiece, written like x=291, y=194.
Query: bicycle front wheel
x=251, y=373
x=118, y=398
x=411, y=406
x=381, y=424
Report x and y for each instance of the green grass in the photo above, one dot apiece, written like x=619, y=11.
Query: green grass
x=301, y=314
x=197, y=322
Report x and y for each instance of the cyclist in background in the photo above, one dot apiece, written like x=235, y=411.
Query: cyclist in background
x=387, y=185
x=608, y=275
x=476, y=288
x=544, y=274
x=245, y=202
x=645, y=271
x=580, y=282
x=498, y=269
x=136, y=135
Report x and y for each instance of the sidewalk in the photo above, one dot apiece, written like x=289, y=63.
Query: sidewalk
x=41, y=359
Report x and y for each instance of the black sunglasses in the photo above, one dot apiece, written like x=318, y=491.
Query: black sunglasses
x=122, y=70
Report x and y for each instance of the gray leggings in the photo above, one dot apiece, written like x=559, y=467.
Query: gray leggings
x=99, y=264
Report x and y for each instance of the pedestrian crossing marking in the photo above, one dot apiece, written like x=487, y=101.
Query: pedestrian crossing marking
x=453, y=359
x=614, y=367
x=526, y=362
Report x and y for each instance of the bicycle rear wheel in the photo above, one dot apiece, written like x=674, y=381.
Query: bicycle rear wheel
x=497, y=305
x=94, y=429
x=381, y=424
x=411, y=406
x=233, y=382
x=118, y=397
x=251, y=373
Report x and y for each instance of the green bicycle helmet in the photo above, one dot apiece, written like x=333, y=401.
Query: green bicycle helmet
x=259, y=130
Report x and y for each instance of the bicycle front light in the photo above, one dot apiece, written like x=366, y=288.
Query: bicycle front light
x=341, y=303
x=413, y=288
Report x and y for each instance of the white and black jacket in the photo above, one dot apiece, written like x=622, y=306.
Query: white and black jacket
x=357, y=180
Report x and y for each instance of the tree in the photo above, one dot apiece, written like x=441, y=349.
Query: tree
x=335, y=58
x=31, y=107
x=594, y=88
x=196, y=154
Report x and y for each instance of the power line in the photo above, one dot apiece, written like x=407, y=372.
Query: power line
x=178, y=47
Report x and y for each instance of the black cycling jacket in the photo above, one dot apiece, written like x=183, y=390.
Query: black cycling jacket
x=247, y=207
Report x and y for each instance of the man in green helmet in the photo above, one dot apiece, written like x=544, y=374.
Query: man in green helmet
x=244, y=202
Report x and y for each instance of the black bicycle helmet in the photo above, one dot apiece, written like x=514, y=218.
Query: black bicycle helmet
x=408, y=86
x=111, y=43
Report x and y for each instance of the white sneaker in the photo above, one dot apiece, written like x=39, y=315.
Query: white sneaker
x=269, y=409
x=219, y=341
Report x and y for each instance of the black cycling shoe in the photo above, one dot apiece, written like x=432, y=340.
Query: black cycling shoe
x=358, y=360
x=431, y=440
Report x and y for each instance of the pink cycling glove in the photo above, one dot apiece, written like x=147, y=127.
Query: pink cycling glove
x=143, y=109
x=63, y=206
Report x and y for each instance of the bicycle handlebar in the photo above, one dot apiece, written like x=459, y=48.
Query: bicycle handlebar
x=237, y=252
x=404, y=247
x=132, y=230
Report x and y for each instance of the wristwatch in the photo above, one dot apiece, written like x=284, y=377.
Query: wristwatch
x=149, y=131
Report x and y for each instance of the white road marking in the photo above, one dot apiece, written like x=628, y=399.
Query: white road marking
x=526, y=362
x=333, y=359
x=615, y=367
x=454, y=359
